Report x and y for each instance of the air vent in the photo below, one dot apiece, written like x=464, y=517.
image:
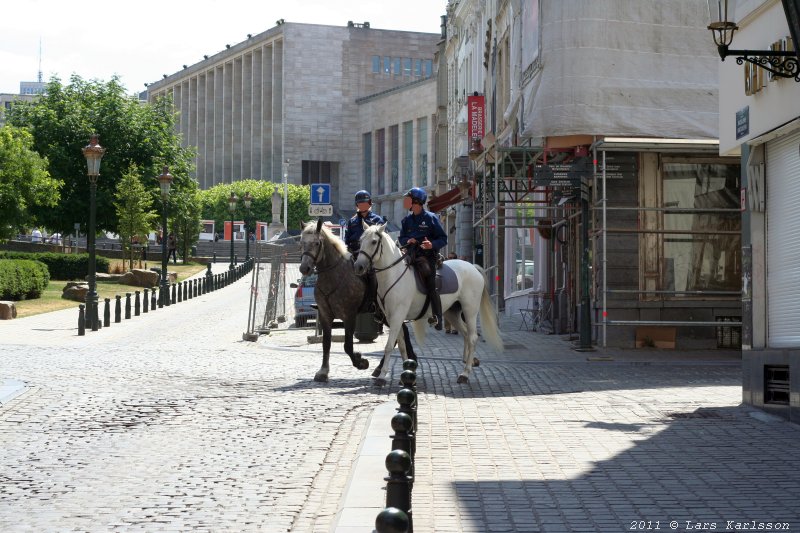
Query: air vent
x=776, y=384
x=729, y=336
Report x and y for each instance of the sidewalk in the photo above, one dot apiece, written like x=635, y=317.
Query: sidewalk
x=548, y=439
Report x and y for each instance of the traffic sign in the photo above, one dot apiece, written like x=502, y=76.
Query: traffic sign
x=320, y=193
x=320, y=210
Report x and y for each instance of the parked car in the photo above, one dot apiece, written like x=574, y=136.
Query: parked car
x=524, y=275
x=304, y=299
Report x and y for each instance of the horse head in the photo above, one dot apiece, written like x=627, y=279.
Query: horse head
x=370, y=248
x=311, y=245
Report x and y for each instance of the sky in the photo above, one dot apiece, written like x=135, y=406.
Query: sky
x=140, y=41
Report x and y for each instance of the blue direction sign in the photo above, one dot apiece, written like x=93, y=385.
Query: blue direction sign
x=320, y=193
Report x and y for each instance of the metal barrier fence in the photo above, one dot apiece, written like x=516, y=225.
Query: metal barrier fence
x=268, y=288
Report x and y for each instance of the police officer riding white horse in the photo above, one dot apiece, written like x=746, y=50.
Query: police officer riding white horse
x=422, y=236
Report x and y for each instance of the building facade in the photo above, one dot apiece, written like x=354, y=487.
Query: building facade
x=759, y=117
x=286, y=102
x=599, y=192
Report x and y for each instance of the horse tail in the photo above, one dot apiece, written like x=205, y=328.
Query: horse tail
x=489, y=327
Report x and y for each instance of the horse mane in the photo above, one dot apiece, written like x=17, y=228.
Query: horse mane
x=333, y=240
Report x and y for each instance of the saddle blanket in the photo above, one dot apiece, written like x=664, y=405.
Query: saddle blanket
x=446, y=280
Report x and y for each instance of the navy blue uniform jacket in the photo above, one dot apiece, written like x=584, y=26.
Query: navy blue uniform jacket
x=426, y=224
x=354, y=229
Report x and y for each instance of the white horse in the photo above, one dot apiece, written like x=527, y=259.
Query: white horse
x=401, y=300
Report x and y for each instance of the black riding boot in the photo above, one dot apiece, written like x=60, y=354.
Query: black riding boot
x=436, y=304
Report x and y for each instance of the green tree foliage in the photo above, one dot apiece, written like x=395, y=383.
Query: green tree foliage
x=185, y=207
x=61, y=122
x=25, y=183
x=215, y=202
x=134, y=212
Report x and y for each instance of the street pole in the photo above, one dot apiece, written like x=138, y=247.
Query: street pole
x=286, y=195
x=585, y=338
x=165, y=181
x=93, y=153
x=232, y=206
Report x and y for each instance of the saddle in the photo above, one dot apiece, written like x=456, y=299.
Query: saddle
x=446, y=280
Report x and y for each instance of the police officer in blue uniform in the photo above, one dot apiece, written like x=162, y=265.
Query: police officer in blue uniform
x=423, y=236
x=352, y=235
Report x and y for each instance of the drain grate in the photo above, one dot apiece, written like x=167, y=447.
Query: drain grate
x=700, y=413
x=514, y=346
x=776, y=384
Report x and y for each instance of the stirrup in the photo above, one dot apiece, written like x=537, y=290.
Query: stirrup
x=378, y=316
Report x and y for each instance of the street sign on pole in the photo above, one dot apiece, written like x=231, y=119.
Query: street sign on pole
x=320, y=193
x=320, y=210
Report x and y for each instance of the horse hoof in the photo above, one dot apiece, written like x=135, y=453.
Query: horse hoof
x=379, y=382
x=462, y=380
x=363, y=364
x=476, y=362
x=321, y=378
x=376, y=372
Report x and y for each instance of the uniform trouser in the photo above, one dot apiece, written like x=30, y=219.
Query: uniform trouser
x=425, y=262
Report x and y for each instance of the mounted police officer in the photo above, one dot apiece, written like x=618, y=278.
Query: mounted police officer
x=423, y=236
x=352, y=235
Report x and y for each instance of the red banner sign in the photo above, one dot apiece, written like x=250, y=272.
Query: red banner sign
x=475, y=105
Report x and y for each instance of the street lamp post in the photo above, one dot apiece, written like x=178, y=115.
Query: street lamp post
x=164, y=181
x=232, y=206
x=248, y=201
x=93, y=153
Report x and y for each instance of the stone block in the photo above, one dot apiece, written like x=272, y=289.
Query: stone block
x=139, y=278
x=75, y=291
x=8, y=310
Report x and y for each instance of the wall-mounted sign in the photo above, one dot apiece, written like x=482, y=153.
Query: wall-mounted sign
x=475, y=106
x=743, y=122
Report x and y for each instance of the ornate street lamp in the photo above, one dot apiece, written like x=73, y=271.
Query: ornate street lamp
x=248, y=201
x=93, y=153
x=164, y=181
x=782, y=63
x=232, y=206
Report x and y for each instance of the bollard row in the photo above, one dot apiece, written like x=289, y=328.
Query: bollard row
x=157, y=297
x=397, y=516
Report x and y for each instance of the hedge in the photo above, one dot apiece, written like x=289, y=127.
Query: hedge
x=22, y=279
x=62, y=266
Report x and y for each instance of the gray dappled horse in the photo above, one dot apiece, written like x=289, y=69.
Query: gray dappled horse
x=338, y=292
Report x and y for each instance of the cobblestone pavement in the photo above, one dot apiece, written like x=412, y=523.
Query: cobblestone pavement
x=170, y=422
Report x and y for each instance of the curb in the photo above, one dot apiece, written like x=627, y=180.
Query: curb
x=365, y=493
x=10, y=389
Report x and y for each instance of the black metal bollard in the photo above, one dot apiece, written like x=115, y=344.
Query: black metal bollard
x=81, y=320
x=392, y=520
x=196, y=283
x=186, y=285
x=406, y=398
x=107, y=312
x=136, y=305
x=127, y=306
x=146, y=300
x=172, y=298
x=181, y=289
x=403, y=432
x=398, y=487
x=153, y=299
x=118, y=309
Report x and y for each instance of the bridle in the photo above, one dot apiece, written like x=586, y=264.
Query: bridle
x=371, y=258
x=316, y=258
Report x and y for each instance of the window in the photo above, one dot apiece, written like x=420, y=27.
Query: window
x=417, y=67
x=408, y=154
x=407, y=66
x=318, y=171
x=708, y=256
x=394, y=139
x=368, y=161
x=387, y=65
x=397, y=70
x=428, y=68
x=422, y=150
x=380, y=149
x=376, y=64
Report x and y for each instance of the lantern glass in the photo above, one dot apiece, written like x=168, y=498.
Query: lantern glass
x=232, y=202
x=165, y=181
x=722, y=17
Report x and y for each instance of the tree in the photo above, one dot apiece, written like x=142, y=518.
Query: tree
x=25, y=183
x=61, y=122
x=186, y=208
x=133, y=206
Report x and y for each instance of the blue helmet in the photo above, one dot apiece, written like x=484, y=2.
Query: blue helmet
x=363, y=196
x=418, y=194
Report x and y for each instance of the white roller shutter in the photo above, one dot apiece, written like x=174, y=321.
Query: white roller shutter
x=783, y=241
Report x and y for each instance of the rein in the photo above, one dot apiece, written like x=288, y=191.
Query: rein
x=371, y=258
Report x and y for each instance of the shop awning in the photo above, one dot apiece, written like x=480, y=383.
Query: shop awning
x=455, y=195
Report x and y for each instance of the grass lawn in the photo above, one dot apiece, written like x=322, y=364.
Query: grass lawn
x=51, y=297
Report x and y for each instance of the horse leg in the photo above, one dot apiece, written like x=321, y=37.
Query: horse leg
x=355, y=357
x=394, y=329
x=325, y=324
x=470, y=340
